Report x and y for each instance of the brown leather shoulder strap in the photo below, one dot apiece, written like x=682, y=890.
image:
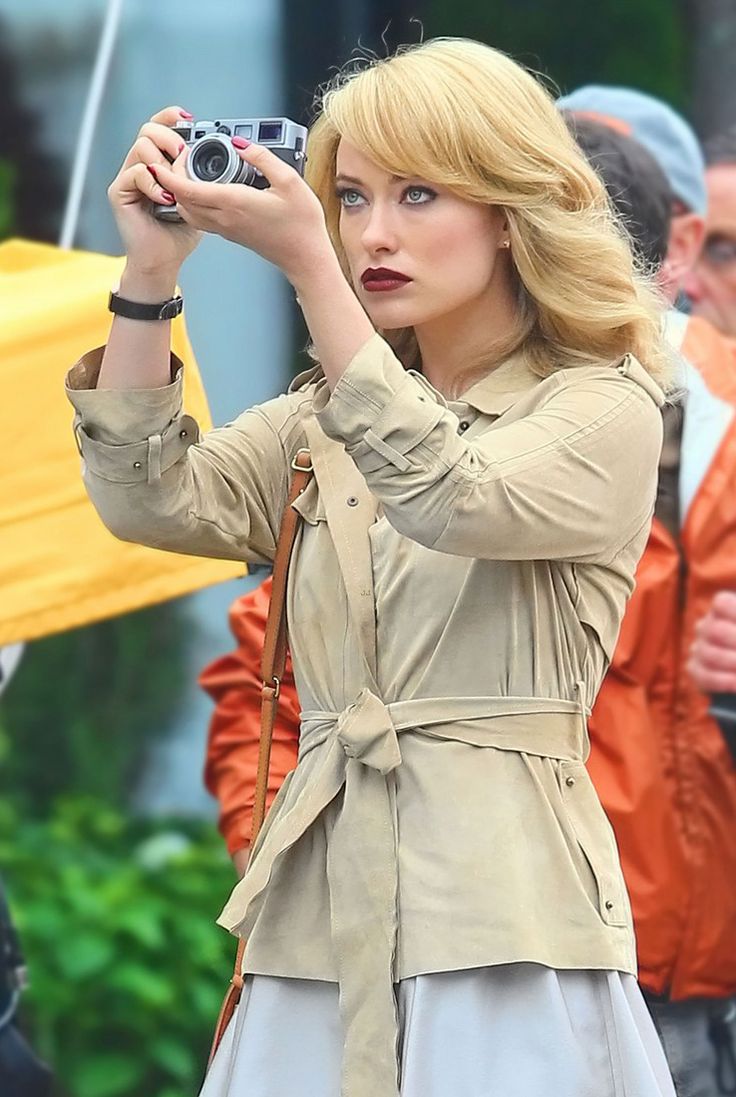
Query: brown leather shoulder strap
x=273, y=660
x=273, y=663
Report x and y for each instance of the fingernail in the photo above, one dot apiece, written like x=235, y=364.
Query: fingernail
x=240, y=142
x=186, y=114
x=182, y=146
x=152, y=171
x=169, y=196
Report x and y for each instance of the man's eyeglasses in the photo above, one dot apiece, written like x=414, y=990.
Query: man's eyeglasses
x=719, y=251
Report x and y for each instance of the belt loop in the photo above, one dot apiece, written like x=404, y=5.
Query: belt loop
x=580, y=690
x=155, y=443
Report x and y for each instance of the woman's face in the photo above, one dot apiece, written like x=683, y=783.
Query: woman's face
x=417, y=252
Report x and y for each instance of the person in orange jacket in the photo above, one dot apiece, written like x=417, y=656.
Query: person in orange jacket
x=658, y=760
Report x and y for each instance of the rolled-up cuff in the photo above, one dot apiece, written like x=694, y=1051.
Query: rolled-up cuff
x=121, y=416
x=378, y=410
x=136, y=462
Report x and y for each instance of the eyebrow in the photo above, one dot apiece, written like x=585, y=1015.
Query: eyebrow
x=340, y=178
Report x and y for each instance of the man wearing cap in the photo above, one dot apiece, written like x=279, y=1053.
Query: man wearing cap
x=659, y=760
x=711, y=285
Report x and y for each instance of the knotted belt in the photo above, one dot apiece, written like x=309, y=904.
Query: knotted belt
x=352, y=752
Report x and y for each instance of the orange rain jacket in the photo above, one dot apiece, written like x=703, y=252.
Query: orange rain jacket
x=659, y=762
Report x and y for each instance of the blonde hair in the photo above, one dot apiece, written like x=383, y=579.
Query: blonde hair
x=465, y=116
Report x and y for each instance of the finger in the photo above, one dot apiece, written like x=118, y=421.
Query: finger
x=165, y=138
x=171, y=116
x=724, y=605
x=147, y=151
x=712, y=681
x=718, y=631
x=713, y=657
x=275, y=170
x=140, y=180
x=199, y=195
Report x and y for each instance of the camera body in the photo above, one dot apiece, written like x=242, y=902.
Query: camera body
x=214, y=159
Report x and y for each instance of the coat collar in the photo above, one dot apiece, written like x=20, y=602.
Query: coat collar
x=502, y=386
x=491, y=395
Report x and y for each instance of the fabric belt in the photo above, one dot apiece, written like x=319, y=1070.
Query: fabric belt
x=358, y=748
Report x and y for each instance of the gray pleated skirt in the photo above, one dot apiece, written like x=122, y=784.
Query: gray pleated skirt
x=516, y=1030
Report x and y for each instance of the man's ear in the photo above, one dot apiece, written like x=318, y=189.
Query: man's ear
x=687, y=234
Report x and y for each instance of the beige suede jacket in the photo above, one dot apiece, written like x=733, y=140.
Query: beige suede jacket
x=455, y=597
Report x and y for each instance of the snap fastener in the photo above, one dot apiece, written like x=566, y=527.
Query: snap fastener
x=352, y=501
x=137, y=465
x=182, y=434
x=463, y=426
x=569, y=781
x=609, y=904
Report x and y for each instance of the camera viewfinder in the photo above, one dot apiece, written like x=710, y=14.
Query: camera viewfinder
x=269, y=131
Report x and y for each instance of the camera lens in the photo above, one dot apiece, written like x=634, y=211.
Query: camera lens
x=209, y=161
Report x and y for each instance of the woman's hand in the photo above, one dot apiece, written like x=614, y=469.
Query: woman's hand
x=713, y=653
x=152, y=246
x=240, y=860
x=284, y=223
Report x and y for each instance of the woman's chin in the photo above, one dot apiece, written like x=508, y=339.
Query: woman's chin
x=388, y=314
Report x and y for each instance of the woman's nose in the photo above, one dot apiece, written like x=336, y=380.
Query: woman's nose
x=379, y=233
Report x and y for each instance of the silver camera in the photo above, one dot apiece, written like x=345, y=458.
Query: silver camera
x=214, y=159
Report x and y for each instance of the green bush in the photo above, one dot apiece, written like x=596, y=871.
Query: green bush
x=94, y=700
x=127, y=966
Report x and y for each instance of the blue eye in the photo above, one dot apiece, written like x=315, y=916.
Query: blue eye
x=349, y=198
x=419, y=196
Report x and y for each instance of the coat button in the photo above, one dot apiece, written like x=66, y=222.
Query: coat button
x=464, y=424
x=352, y=501
x=137, y=465
x=569, y=781
x=609, y=904
x=182, y=434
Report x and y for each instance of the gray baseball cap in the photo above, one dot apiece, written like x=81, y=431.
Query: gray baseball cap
x=669, y=138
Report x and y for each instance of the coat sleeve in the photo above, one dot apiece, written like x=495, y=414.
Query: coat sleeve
x=234, y=684
x=575, y=479
x=155, y=481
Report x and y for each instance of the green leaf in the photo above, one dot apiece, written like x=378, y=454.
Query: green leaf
x=149, y=986
x=174, y=1056
x=82, y=955
x=107, y=1074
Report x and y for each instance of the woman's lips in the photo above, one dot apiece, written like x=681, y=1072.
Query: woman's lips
x=382, y=280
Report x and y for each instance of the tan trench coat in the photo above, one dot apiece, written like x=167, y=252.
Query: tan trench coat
x=455, y=598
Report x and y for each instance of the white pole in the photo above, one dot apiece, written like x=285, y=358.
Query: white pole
x=89, y=123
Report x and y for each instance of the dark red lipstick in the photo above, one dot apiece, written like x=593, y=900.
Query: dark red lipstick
x=382, y=279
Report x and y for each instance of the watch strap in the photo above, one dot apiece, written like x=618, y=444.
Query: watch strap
x=136, y=310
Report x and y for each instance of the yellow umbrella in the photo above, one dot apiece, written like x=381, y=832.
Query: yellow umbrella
x=59, y=566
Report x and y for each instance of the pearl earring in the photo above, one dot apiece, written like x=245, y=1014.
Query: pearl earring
x=506, y=244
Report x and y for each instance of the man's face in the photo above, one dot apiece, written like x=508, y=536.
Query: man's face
x=711, y=285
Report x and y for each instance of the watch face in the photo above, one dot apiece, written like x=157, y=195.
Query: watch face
x=171, y=309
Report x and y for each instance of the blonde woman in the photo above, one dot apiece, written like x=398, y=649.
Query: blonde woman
x=435, y=907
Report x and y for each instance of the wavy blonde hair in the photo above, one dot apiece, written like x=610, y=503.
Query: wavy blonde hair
x=465, y=116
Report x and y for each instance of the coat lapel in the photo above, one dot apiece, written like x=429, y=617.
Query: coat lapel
x=351, y=511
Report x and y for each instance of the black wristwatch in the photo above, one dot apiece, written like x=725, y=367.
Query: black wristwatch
x=135, y=310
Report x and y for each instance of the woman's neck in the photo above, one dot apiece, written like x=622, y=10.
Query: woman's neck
x=453, y=344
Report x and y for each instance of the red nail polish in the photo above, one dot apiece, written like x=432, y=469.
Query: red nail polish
x=152, y=171
x=169, y=196
x=186, y=114
x=182, y=146
x=240, y=142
